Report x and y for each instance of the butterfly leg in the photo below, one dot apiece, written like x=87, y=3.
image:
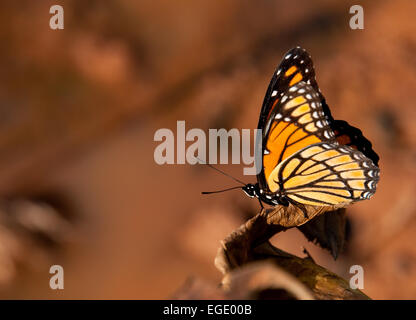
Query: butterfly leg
x=261, y=204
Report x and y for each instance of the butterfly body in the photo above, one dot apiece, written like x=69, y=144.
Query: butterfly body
x=307, y=157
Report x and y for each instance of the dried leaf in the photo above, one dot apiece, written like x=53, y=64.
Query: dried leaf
x=250, y=243
x=329, y=231
x=260, y=279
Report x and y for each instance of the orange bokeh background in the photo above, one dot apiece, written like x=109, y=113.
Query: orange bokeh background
x=79, y=108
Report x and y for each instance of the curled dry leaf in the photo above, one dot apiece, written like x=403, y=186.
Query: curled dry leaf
x=250, y=243
x=329, y=231
x=256, y=280
x=323, y=283
x=292, y=216
x=264, y=279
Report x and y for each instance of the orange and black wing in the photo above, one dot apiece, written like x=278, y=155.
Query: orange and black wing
x=282, y=125
x=296, y=122
x=292, y=115
x=326, y=174
x=296, y=66
x=351, y=136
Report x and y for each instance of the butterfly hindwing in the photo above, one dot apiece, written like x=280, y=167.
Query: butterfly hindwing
x=351, y=136
x=328, y=174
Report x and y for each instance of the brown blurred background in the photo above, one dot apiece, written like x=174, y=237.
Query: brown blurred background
x=79, y=107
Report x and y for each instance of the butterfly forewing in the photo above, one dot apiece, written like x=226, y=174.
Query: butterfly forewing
x=296, y=122
x=295, y=67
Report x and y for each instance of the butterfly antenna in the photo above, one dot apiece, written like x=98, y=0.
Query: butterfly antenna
x=220, y=171
x=210, y=192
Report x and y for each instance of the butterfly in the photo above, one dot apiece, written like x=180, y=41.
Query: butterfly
x=307, y=158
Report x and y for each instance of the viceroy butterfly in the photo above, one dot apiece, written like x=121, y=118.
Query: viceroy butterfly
x=307, y=157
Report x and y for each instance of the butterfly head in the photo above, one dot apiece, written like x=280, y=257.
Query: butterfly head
x=252, y=190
